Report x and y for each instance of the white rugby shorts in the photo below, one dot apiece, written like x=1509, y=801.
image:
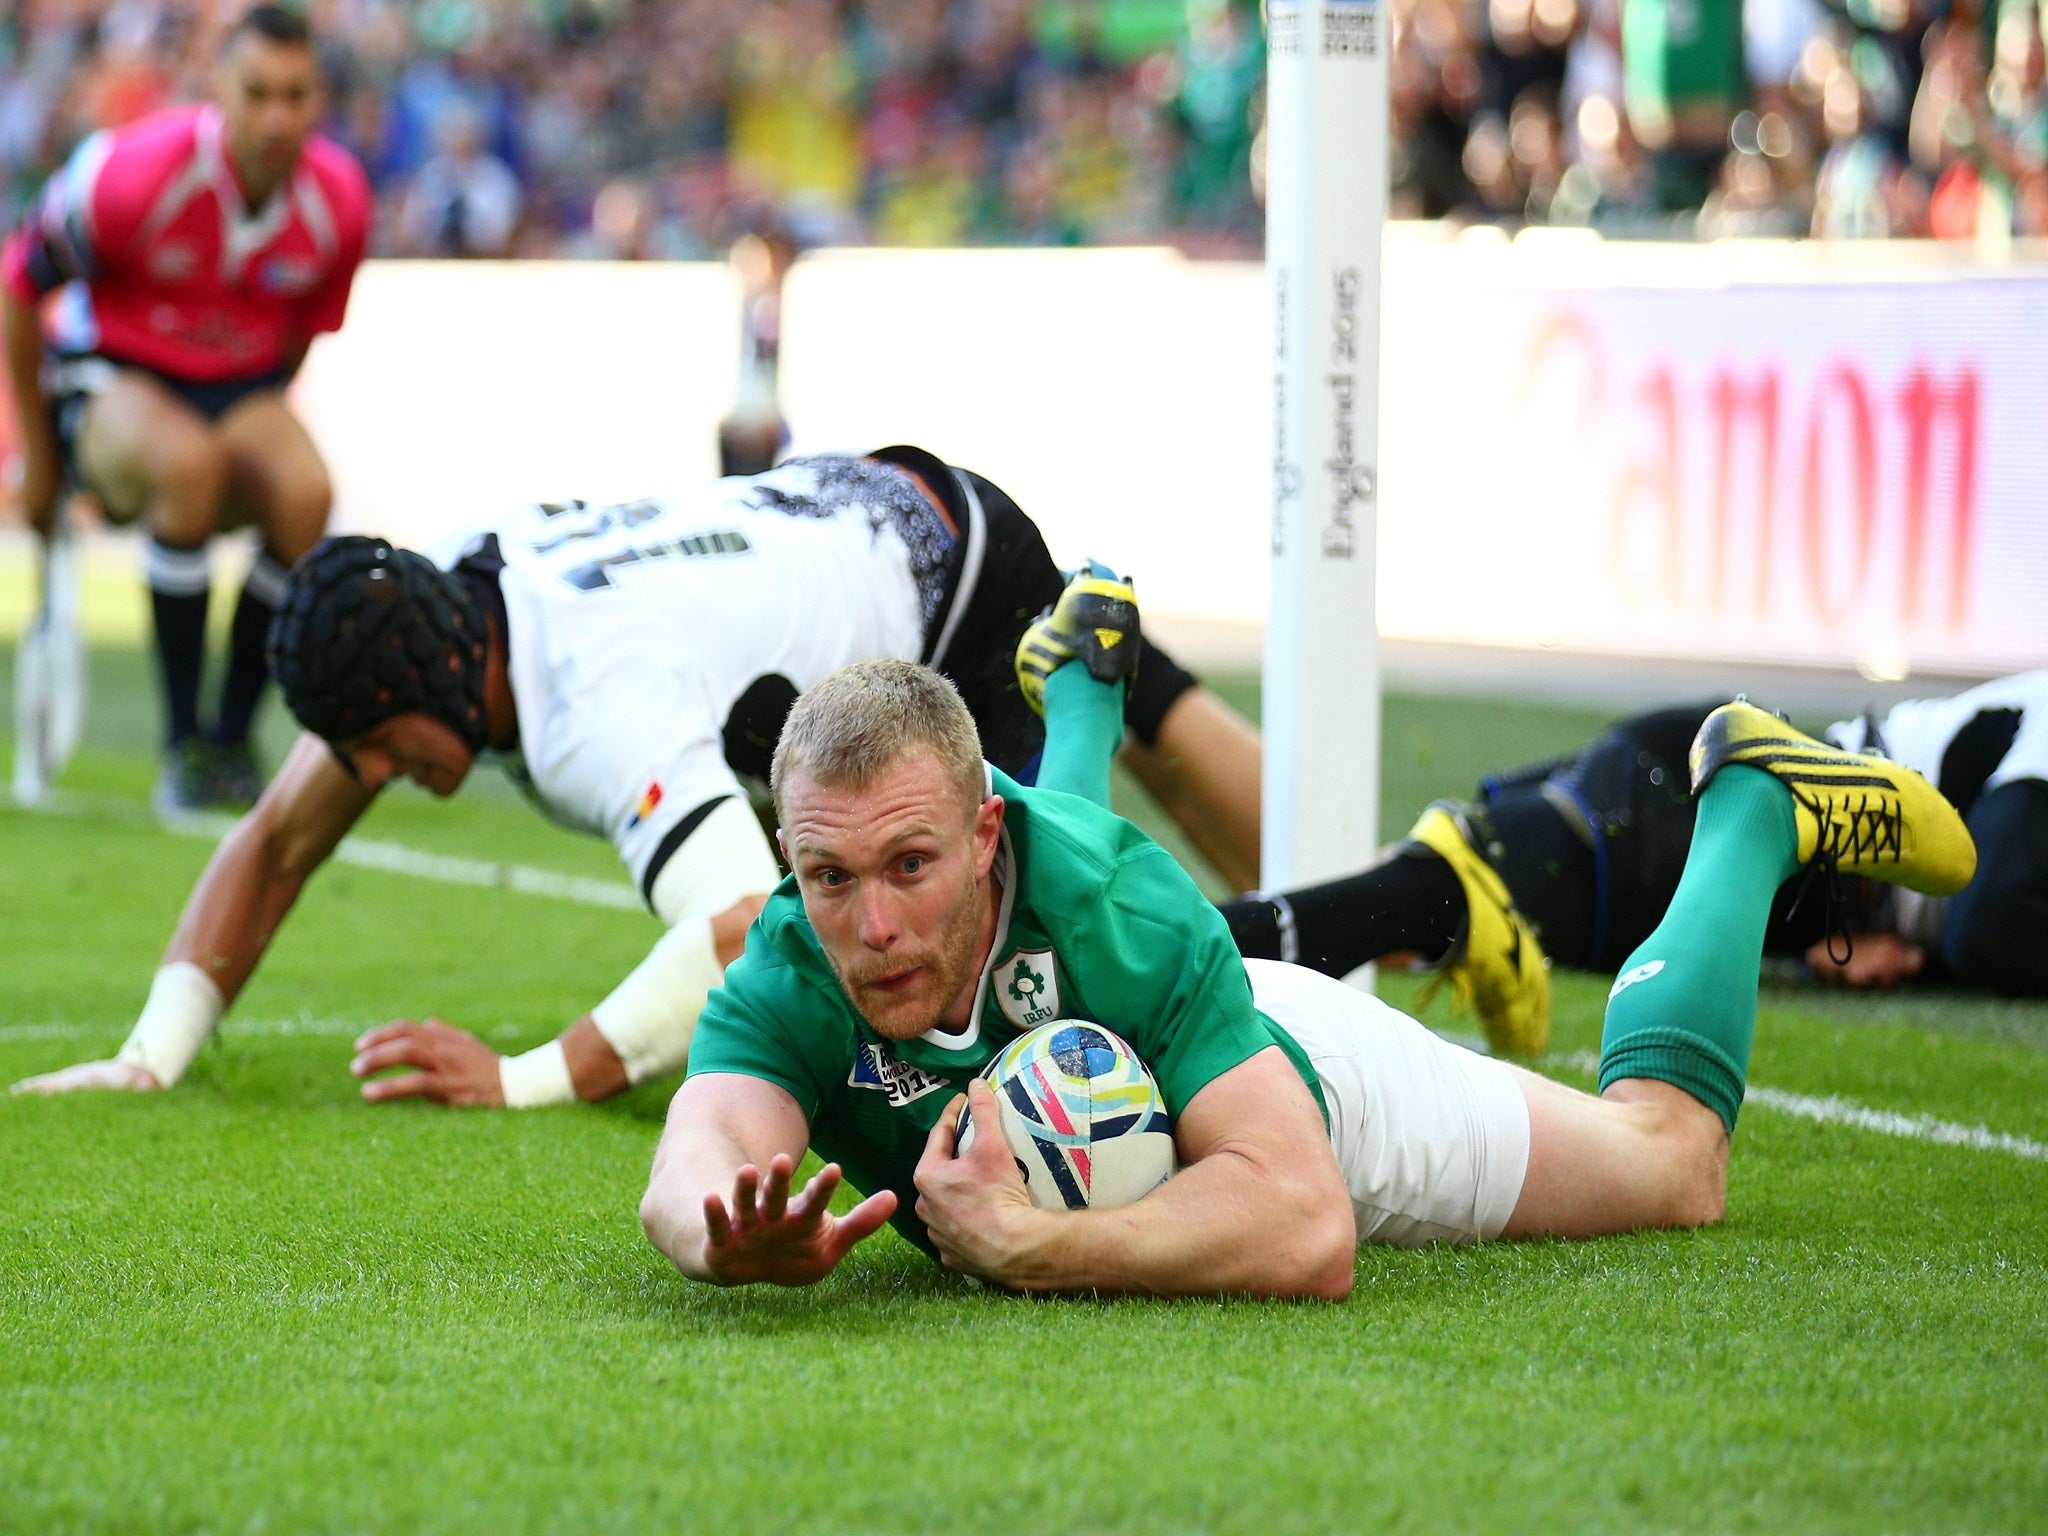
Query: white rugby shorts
x=1433, y=1138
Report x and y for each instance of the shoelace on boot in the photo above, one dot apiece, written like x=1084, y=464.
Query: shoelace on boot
x=1870, y=827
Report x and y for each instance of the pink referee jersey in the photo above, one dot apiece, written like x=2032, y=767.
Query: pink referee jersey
x=171, y=270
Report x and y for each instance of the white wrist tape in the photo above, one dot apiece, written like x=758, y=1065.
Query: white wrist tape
x=183, y=1007
x=651, y=1015
x=540, y=1076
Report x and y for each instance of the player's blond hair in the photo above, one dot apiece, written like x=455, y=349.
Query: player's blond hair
x=849, y=727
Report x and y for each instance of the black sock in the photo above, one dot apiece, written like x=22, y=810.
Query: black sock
x=1411, y=901
x=248, y=665
x=178, y=587
x=1157, y=688
x=1548, y=866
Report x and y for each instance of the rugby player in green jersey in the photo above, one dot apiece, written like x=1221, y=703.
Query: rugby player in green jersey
x=937, y=909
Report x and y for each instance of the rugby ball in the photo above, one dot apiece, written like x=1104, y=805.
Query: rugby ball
x=1082, y=1116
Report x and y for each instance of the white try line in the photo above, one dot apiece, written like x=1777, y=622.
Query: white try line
x=398, y=859
x=1839, y=1111
x=1825, y=1111
x=368, y=853
x=304, y=1025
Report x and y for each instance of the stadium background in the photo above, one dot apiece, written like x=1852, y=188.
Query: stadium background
x=1626, y=458
x=636, y=129
x=1755, y=451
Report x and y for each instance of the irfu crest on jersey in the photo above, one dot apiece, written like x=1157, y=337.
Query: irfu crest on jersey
x=1028, y=988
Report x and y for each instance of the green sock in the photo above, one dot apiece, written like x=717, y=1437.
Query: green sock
x=1683, y=1010
x=1084, y=725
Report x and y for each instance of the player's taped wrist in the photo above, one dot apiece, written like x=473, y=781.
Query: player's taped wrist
x=184, y=1006
x=650, y=1016
x=536, y=1077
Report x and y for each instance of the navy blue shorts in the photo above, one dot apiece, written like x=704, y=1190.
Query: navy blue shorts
x=73, y=380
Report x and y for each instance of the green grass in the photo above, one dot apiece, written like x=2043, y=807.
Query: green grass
x=255, y=1304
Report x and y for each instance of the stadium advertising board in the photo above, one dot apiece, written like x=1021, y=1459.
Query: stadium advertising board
x=1759, y=453
x=1830, y=470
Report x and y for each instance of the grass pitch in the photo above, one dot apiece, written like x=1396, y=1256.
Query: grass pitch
x=257, y=1304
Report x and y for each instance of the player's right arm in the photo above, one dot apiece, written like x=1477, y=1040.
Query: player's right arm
x=731, y=1132
x=261, y=866
x=41, y=468
x=66, y=238
x=706, y=892
x=248, y=886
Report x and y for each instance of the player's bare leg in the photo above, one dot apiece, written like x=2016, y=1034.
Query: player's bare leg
x=1674, y=1053
x=1204, y=770
x=1645, y=1154
x=277, y=479
x=148, y=455
x=145, y=453
x=277, y=482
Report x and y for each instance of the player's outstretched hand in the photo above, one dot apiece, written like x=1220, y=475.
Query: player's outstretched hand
x=451, y=1066
x=975, y=1205
x=765, y=1236
x=119, y=1076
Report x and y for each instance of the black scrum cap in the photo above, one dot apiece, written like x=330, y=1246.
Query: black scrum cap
x=365, y=632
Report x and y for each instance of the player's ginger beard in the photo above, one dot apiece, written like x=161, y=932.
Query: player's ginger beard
x=864, y=830
x=954, y=959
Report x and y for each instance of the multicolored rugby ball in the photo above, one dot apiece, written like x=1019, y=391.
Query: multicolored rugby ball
x=1082, y=1116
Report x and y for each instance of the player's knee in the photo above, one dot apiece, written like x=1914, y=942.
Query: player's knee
x=1687, y=1157
x=297, y=518
x=190, y=478
x=307, y=499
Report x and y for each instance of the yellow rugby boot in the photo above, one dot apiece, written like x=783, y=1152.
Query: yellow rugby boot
x=1095, y=622
x=1857, y=813
x=1498, y=968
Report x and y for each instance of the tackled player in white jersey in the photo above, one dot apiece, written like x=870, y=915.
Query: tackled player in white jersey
x=1579, y=857
x=630, y=666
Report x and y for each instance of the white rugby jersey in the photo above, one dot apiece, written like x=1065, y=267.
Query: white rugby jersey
x=656, y=643
x=1976, y=741
x=2002, y=726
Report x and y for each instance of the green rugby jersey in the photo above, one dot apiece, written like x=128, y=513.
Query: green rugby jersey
x=1097, y=922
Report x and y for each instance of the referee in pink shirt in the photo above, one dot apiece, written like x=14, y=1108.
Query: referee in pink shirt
x=195, y=254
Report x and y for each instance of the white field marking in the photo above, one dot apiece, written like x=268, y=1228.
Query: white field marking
x=1887, y=1122
x=13, y=1032
x=1826, y=1111
x=1838, y=1111
x=398, y=859
x=368, y=853
x=303, y=1025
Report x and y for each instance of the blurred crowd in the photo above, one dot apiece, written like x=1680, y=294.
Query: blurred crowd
x=652, y=128
x=1843, y=119
x=662, y=127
